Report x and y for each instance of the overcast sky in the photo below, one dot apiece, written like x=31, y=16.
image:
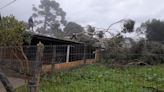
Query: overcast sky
x=100, y=13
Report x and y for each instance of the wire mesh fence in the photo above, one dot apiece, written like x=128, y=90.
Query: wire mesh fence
x=119, y=72
x=21, y=64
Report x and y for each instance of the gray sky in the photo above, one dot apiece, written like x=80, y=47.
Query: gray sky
x=100, y=13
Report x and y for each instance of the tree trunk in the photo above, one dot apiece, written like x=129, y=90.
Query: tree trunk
x=5, y=82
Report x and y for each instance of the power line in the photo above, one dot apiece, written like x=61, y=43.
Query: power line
x=7, y=4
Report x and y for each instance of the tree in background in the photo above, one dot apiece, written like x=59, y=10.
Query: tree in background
x=115, y=45
x=57, y=31
x=128, y=26
x=154, y=30
x=72, y=28
x=91, y=31
x=87, y=39
x=50, y=16
x=100, y=34
x=142, y=52
x=77, y=33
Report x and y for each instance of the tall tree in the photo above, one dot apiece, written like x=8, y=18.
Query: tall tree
x=154, y=30
x=50, y=16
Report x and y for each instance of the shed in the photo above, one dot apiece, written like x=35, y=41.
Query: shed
x=56, y=51
x=64, y=50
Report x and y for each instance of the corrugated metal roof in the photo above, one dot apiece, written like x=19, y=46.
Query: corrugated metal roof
x=52, y=40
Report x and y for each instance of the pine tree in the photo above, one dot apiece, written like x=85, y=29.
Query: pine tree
x=49, y=15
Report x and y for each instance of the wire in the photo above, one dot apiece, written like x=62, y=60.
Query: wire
x=7, y=4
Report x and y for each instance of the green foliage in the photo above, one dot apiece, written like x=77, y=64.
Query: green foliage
x=73, y=27
x=27, y=37
x=99, y=78
x=100, y=34
x=149, y=52
x=52, y=17
x=116, y=50
x=89, y=37
x=154, y=30
x=128, y=26
x=87, y=40
x=11, y=31
x=90, y=30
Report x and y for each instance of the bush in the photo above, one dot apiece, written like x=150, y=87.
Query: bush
x=151, y=53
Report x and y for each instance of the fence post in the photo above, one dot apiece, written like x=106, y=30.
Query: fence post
x=84, y=57
x=53, y=59
x=34, y=83
x=68, y=52
x=1, y=54
x=98, y=55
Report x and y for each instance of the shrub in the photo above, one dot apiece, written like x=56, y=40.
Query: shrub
x=151, y=53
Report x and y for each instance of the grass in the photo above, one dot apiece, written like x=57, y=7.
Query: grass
x=99, y=78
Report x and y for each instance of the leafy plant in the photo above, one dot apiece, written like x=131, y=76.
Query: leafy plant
x=99, y=78
x=11, y=31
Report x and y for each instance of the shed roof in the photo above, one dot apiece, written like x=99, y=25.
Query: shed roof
x=51, y=40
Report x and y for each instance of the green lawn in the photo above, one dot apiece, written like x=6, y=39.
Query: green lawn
x=99, y=78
